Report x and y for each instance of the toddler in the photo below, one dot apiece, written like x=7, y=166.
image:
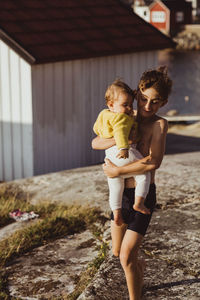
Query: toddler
x=117, y=121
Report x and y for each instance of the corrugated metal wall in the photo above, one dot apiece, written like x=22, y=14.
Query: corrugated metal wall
x=16, y=148
x=67, y=98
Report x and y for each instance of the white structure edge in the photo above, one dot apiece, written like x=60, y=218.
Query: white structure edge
x=16, y=148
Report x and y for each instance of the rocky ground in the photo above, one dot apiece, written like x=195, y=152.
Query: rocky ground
x=170, y=248
x=51, y=270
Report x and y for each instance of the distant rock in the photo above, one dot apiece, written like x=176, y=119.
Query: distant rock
x=172, y=112
x=187, y=41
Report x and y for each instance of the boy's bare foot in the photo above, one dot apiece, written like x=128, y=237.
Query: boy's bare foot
x=118, y=217
x=141, y=208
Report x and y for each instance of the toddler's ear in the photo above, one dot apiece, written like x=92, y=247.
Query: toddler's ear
x=110, y=104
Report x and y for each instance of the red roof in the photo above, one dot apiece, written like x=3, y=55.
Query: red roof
x=58, y=30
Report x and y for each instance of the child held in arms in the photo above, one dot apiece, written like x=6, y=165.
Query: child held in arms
x=118, y=122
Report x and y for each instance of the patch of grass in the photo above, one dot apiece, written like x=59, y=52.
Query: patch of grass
x=55, y=221
x=96, y=263
x=60, y=221
x=12, y=198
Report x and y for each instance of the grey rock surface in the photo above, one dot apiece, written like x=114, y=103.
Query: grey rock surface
x=170, y=248
x=51, y=270
x=171, y=245
x=80, y=186
x=13, y=227
x=172, y=112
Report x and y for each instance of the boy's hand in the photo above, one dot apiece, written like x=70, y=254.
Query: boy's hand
x=110, y=169
x=123, y=153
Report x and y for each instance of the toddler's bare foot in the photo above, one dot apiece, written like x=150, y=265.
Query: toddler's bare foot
x=141, y=208
x=118, y=217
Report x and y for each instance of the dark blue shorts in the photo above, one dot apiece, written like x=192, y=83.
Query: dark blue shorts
x=135, y=220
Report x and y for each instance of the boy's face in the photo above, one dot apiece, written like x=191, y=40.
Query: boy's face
x=123, y=104
x=149, y=102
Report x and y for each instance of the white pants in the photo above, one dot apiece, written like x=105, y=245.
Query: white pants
x=116, y=185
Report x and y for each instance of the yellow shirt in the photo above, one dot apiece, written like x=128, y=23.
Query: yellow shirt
x=118, y=125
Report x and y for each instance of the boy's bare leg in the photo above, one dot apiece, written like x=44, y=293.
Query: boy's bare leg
x=117, y=234
x=132, y=267
x=118, y=217
x=139, y=205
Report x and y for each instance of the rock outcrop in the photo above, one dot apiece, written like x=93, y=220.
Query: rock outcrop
x=187, y=41
x=170, y=248
x=188, y=38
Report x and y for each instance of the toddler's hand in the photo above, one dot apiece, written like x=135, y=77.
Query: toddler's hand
x=123, y=153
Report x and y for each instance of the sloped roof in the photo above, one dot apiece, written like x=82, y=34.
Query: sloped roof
x=56, y=30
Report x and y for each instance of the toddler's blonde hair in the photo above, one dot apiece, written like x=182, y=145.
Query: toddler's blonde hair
x=117, y=87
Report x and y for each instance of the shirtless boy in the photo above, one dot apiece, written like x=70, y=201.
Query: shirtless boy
x=152, y=93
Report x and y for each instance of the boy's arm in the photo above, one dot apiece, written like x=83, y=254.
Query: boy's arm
x=148, y=163
x=99, y=143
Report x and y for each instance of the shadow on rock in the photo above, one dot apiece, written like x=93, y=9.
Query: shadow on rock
x=180, y=144
x=171, y=284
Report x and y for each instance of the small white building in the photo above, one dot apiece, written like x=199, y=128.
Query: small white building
x=141, y=10
x=56, y=60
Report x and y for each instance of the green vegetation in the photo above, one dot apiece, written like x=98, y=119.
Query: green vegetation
x=55, y=221
x=58, y=221
x=12, y=198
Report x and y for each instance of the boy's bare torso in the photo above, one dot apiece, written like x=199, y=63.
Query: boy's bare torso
x=146, y=131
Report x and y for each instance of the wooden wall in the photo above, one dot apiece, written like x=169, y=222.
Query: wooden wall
x=67, y=98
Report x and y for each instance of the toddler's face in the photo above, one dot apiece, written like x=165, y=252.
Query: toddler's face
x=124, y=104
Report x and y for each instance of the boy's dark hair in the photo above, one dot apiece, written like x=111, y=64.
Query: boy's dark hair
x=116, y=88
x=157, y=79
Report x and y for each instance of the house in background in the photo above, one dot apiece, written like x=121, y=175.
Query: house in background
x=170, y=16
x=141, y=9
x=159, y=16
x=56, y=60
